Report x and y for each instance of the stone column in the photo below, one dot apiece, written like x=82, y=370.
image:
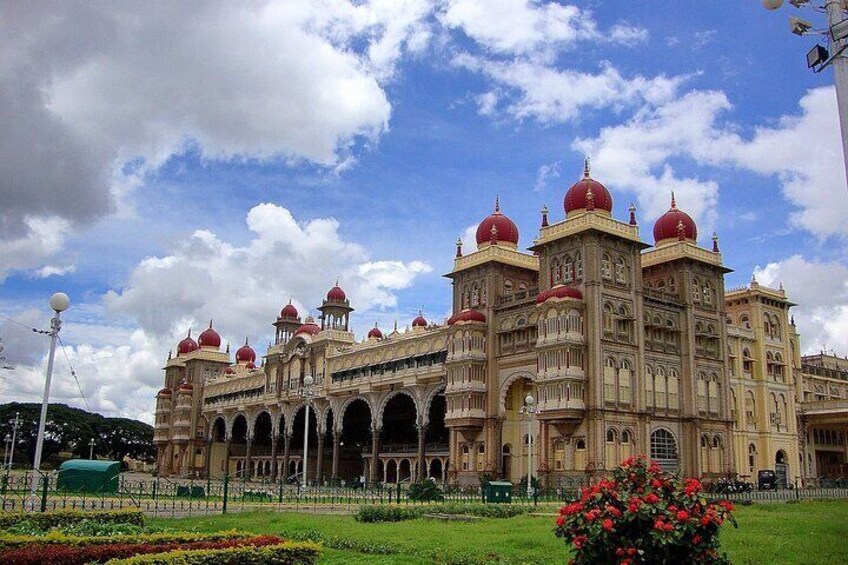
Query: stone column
x=286, y=445
x=248, y=459
x=275, y=439
x=227, y=457
x=422, y=467
x=320, y=463
x=208, y=456
x=375, y=453
x=337, y=436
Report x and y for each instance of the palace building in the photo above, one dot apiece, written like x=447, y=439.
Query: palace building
x=626, y=347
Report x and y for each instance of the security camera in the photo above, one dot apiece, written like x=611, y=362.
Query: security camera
x=799, y=26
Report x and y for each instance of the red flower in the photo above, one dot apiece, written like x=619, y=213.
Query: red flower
x=682, y=516
x=656, y=483
x=613, y=511
x=651, y=498
x=607, y=525
x=697, y=539
x=560, y=521
x=727, y=505
x=579, y=541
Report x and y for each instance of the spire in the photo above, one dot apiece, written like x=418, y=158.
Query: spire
x=497, y=204
x=396, y=330
x=459, y=247
x=189, y=333
x=245, y=340
x=544, y=216
x=169, y=355
x=586, y=168
x=228, y=348
x=210, y=323
x=673, y=202
x=632, y=211
x=715, y=242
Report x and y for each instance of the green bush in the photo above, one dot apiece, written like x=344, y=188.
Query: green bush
x=288, y=553
x=55, y=537
x=425, y=491
x=344, y=544
x=392, y=513
x=58, y=518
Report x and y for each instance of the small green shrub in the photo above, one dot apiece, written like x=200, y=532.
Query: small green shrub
x=387, y=513
x=288, y=553
x=56, y=537
x=392, y=513
x=344, y=544
x=425, y=491
x=58, y=518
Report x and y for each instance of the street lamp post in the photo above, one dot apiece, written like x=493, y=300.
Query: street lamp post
x=307, y=399
x=59, y=302
x=91, y=449
x=819, y=58
x=15, y=423
x=7, y=444
x=528, y=411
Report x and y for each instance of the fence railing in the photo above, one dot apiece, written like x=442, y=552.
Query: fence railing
x=31, y=491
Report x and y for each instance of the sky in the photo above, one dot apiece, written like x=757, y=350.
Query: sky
x=168, y=163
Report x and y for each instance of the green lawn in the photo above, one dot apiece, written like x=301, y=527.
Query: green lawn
x=809, y=533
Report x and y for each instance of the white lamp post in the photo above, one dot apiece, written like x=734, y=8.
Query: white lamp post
x=818, y=58
x=8, y=444
x=15, y=423
x=91, y=449
x=307, y=399
x=528, y=410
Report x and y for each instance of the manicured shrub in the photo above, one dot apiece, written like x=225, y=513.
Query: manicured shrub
x=58, y=554
x=642, y=515
x=425, y=491
x=85, y=527
x=345, y=544
x=392, y=513
x=57, y=518
x=287, y=553
x=387, y=513
x=55, y=537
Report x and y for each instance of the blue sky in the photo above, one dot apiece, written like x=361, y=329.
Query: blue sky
x=172, y=164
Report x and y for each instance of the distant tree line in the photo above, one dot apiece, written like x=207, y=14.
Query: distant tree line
x=69, y=431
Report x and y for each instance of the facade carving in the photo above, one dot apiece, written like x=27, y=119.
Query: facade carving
x=627, y=348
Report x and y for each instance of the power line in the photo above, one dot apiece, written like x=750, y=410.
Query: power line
x=74, y=374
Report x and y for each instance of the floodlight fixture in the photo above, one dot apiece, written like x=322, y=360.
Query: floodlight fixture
x=817, y=56
x=799, y=26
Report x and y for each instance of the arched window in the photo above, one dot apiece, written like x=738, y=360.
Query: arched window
x=664, y=449
x=752, y=459
x=608, y=318
x=625, y=375
x=713, y=394
x=660, y=388
x=673, y=396
x=580, y=455
x=707, y=292
x=750, y=410
x=620, y=270
x=649, y=386
x=606, y=267
x=702, y=392
x=747, y=361
x=556, y=274
x=481, y=457
x=609, y=379
x=578, y=267
x=696, y=291
x=568, y=270
x=610, y=451
x=626, y=445
x=745, y=321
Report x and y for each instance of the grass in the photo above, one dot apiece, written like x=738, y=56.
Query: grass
x=804, y=533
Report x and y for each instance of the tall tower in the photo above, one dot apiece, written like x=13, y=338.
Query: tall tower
x=287, y=323
x=335, y=310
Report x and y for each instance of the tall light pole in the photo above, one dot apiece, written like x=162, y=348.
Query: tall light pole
x=528, y=410
x=15, y=423
x=307, y=399
x=59, y=302
x=91, y=449
x=7, y=444
x=820, y=58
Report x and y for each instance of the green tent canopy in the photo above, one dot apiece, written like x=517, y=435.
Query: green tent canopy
x=85, y=475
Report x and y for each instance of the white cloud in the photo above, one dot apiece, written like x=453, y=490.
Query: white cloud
x=803, y=152
x=545, y=172
x=821, y=290
x=85, y=90
x=244, y=287
x=43, y=238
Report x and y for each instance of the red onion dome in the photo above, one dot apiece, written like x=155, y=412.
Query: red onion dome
x=675, y=225
x=497, y=228
x=336, y=294
x=250, y=366
x=419, y=322
x=310, y=327
x=209, y=338
x=187, y=345
x=467, y=315
x=375, y=333
x=245, y=353
x=587, y=194
x=288, y=311
x=229, y=371
x=164, y=392
x=559, y=291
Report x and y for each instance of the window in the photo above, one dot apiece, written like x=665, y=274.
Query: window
x=578, y=267
x=606, y=267
x=707, y=292
x=568, y=270
x=660, y=388
x=696, y=291
x=752, y=458
x=609, y=380
x=556, y=273
x=620, y=271
x=610, y=451
x=673, y=381
x=481, y=457
x=608, y=318
x=649, y=386
x=624, y=383
x=750, y=410
x=702, y=393
x=664, y=449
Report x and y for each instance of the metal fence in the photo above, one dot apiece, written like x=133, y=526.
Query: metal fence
x=31, y=491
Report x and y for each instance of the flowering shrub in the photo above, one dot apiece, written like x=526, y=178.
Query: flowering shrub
x=642, y=515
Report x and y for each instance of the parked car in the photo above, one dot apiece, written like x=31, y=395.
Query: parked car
x=767, y=480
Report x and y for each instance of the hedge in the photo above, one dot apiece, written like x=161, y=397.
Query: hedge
x=56, y=518
x=391, y=513
x=56, y=554
x=12, y=541
x=287, y=553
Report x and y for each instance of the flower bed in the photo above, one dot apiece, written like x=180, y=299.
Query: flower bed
x=12, y=541
x=68, y=554
x=644, y=516
x=287, y=553
x=393, y=513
